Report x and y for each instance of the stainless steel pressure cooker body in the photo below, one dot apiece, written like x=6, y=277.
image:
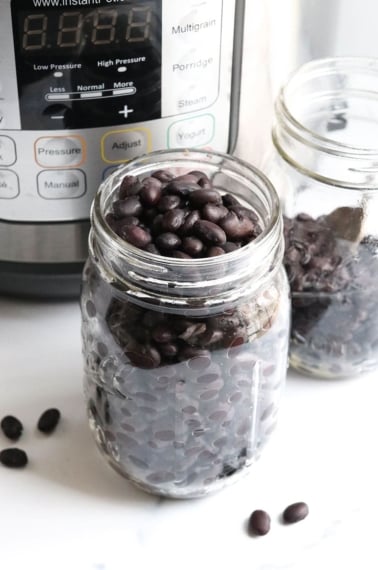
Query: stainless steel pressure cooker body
x=86, y=85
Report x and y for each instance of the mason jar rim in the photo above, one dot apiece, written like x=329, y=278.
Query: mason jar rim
x=321, y=68
x=124, y=247
x=224, y=276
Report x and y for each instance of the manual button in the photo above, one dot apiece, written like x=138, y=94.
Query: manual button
x=61, y=184
x=55, y=152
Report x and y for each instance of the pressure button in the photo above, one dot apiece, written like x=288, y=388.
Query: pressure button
x=59, y=151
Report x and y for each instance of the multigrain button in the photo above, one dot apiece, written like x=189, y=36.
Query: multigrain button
x=122, y=145
x=9, y=186
x=61, y=184
x=55, y=152
x=7, y=151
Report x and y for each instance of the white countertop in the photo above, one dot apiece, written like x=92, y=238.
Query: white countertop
x=68, y=510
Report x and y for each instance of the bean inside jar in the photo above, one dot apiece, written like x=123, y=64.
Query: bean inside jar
x=186, y=350
x=182, y=216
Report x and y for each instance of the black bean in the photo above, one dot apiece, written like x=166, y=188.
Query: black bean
x=229, y=200
x=295, y=512
x=12, y=427
x=214, y=213
x=168, y=202
x=136, y=236
x=130, y=206
x=170, y=349
x=259, y=523
x=205, y=196
x=181, y=188
x=168, y=241
x=151, y=191
x=13, y=457
x=214, y=251
x=230, y=246
x=130, y=186
x=143, y=356
x=127, y=221
x=209, y=232
x=48, y=420
x=172, y=220
x=180, y=254
x=162, y=333
x=242, y=211
x=189, y=222
x=237, y=227
x=192, y=246
x=163, y=175
x=151, y=248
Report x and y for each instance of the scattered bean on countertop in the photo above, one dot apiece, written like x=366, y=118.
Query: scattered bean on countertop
x=12, y=427
x=259, y=523
x=295, y=512
x=13, y=457
x=49, y=420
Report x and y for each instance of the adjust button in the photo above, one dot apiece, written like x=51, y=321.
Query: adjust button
x=61, y=184
x=9, y=186
x=122, y=145
x=7, y=151
x=55, y=152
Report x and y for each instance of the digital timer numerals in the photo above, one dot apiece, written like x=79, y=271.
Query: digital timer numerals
x=104, y=28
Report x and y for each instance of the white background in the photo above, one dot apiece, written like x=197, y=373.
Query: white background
x=68, y=510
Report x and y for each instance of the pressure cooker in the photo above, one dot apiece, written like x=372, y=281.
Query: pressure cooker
x=86, y=85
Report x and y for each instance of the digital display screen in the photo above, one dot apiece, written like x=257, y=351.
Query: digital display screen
x=74, y=56
x=67, y=30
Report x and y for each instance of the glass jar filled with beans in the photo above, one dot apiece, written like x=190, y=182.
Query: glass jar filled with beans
x=185, y=320
x=326, y=136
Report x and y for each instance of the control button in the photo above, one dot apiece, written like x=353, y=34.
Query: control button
x=9, y=186
x=58, y=151
x=91, y=95
x=124, y=91
x=60, y=115
x=197, y=131
x=120, y=146
x=125, y=112
x=7, y=151
x=61, y=184
x=57, y=96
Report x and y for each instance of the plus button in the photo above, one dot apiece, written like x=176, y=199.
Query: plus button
x=125, y=111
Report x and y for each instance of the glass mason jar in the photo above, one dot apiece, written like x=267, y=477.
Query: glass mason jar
x=326, y=138
x=185, y=359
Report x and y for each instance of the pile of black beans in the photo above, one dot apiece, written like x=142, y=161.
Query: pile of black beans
x=182, y=401
x=182, y=216
x=334, y=297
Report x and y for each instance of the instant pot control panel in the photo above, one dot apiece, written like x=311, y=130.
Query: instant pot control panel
x=86, y=85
